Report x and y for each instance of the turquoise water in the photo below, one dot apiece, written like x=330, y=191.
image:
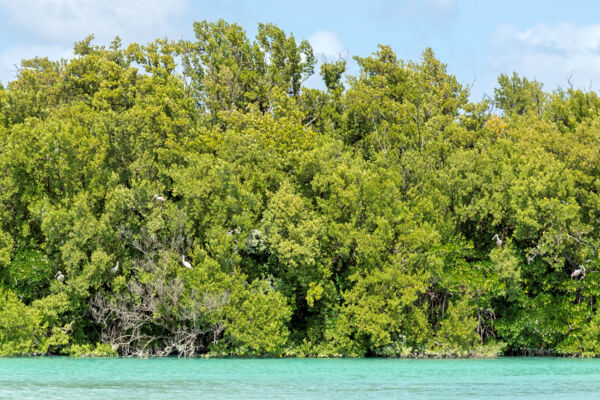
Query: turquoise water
x=515, y=378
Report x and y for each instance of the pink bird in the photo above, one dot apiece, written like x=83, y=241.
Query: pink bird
x=579, y=273
x=159, y=198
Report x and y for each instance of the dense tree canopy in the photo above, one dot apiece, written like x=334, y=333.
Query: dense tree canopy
x=387, y=215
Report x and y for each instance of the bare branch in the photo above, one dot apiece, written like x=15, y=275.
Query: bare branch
x=155, y=317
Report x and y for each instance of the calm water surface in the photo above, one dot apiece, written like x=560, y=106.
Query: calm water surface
x=520, y=378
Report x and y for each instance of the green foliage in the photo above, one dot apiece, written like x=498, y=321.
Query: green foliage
x=458, y=329
x=382, y=309
x=230, y=72
x=519, y=95
x=359, y=220
x=332, y=73
x=33, y=329
x=257, y=321
x=90, y=350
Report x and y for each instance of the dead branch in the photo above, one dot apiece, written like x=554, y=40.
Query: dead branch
x=155, y=316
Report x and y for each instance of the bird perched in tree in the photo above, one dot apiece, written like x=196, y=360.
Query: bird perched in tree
x=498, y=240
x=579, y=273
x=185, y=263
x=60, y=277
x=159, y=198
x=115, y=269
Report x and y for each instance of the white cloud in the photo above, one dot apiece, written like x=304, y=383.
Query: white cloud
x=60, y=21
x=327, y=44
x=10, y=59
x=552, y=54
x=563, y=37
x=50, y=27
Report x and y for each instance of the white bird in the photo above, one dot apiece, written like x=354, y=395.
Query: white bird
x=60, y=277
x=185, y=263
x=498, y=240
x=159, y=198
x=115, y=269
x=578, y=273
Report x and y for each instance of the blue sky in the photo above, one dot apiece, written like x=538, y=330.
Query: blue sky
x=552, y=41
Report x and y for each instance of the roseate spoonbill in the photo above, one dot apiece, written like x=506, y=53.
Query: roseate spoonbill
x=578, y=273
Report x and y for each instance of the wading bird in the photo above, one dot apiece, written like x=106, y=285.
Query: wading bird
x=498, y=240
x=185, y=263
x=159, y=198
x=60, y=277
x=115, y=269
x=579, y=273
